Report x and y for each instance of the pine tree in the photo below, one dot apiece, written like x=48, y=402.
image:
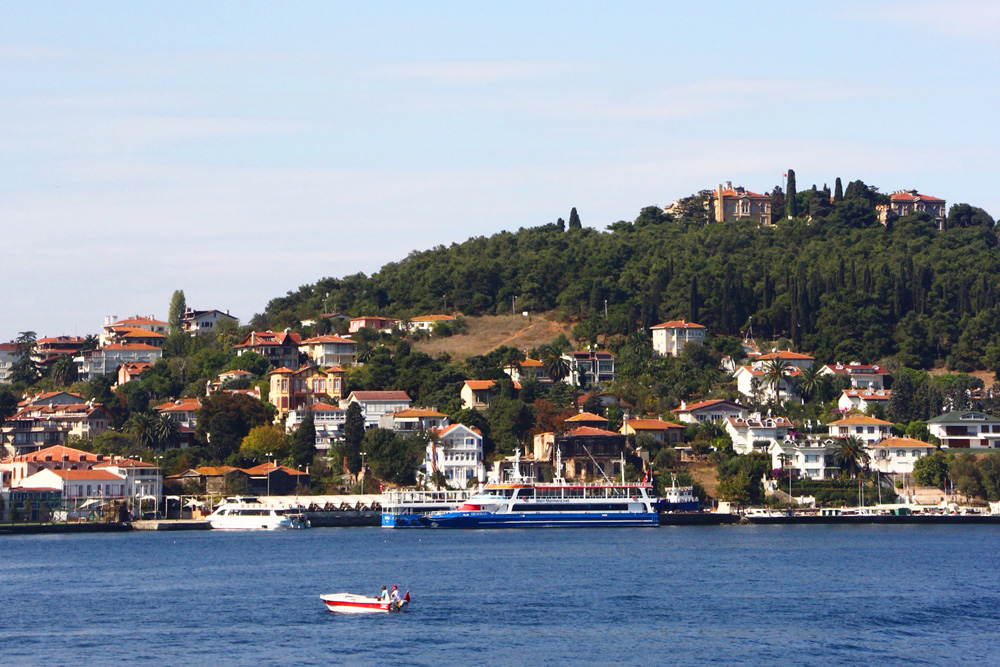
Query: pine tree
x=178, y=305
x=838, y=191
x=790, y=208
x=574, y=219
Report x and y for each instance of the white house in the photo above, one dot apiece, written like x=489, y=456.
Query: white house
x=330, y=350
x=105, y=360
x=375, y=404
x=458, y=454
x=8, y=357
x=861, y=376
x=414, y=419
x=760, y=430
x=962, y=429
x=713, y=410
x=669, y=338
x=205, y=321
x=523, y=371
x=752, y=382
x=807, y=458
x=427, y=322
x=76, y=484
x=896, y=456
x=328, y=419
x=142, y=480
x=113, y=326
x=477, y=394
x=597, y=365
x=801, y=361
x=860, y=400
x=868, y=429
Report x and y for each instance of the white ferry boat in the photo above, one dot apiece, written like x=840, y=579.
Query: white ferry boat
x=523, y=503
x=403, y=509
x=244, y=513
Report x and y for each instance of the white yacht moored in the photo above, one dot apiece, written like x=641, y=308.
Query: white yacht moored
x=244, y=513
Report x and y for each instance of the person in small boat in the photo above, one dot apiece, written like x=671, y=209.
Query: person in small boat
x=384, y=595
x=396, y=597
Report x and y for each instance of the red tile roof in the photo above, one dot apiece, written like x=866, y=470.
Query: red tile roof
x=678, y=324
x=329, y=338
x=590, y=430
x=708, y=404
x=266, y=468
x=57, y=452
x=784, y=354
x=860, y=420
x=418, y=412
x=912, y=195
x=130, y=346
x=88, y=475
x=479, y=385
x=441, y=432
x=433, y=318
x=586, y=417
x=180, y=405
x=652, y=425
x=381, y=395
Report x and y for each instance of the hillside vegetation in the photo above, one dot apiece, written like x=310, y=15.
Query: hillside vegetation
x=837, y=282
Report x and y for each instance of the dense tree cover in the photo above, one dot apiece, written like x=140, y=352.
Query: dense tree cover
x=224, y=420
x=972, y=475
x=832, y=279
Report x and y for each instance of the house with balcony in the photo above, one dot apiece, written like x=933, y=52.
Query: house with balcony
x=49, y=349
x=712, y=410
x=477, y=394
x=281, y=348
x=756, y=432
x=9, y=355
x=805, y=459
x=669, y=338
x=381, y=324
x=737, y=203
x=40, y=425
x=861, y=376
x=867, y=429
x=966, y=429
x=598, y=367
x=863, y=400
x=330, y=350
x=106, y=360
x=197, y=322
x=664, y=432
x=376, y=404
x=55, y=457
x=896, y=456
x=413, y=420
x=296, y=389
x=456, y=451
x=527, y=370
x=752, y=382
x=328, y=419
x=113, y=327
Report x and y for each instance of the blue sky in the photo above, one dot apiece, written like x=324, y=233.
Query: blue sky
x=239, y=150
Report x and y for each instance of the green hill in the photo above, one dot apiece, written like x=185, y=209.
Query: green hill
x=839, y=283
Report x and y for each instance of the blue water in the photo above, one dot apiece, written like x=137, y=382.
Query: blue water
x=754, y=595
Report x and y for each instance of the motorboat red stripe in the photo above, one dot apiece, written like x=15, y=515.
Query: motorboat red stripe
x=362, y=605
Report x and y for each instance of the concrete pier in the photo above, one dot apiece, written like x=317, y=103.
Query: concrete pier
x=171, y=524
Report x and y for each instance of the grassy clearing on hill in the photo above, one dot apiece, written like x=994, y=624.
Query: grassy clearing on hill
x=491, y=331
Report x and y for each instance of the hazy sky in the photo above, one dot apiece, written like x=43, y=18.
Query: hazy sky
x=239, y=150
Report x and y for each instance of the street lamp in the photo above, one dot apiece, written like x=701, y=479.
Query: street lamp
x=363, y=455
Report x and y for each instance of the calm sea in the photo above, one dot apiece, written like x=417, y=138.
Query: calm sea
x=754, y=595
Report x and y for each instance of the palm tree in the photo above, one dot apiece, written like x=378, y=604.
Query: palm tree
x=556, y=367
x=142, y=427
x=775, y=373
x=165, y=430
x=364, y=351
x=64, y=370
x=851, y=456
x=809, y=381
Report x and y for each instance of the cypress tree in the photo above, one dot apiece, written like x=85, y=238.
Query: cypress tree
x=694, y=304
x=574, y=219
x=303, y=443
x=178, y=304
x=838, y=191
x=790, y=209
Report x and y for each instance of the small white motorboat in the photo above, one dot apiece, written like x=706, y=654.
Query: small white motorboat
x=348, y=603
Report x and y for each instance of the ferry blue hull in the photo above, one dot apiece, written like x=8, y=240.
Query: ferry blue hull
x=407, y=520
x=541, y=520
